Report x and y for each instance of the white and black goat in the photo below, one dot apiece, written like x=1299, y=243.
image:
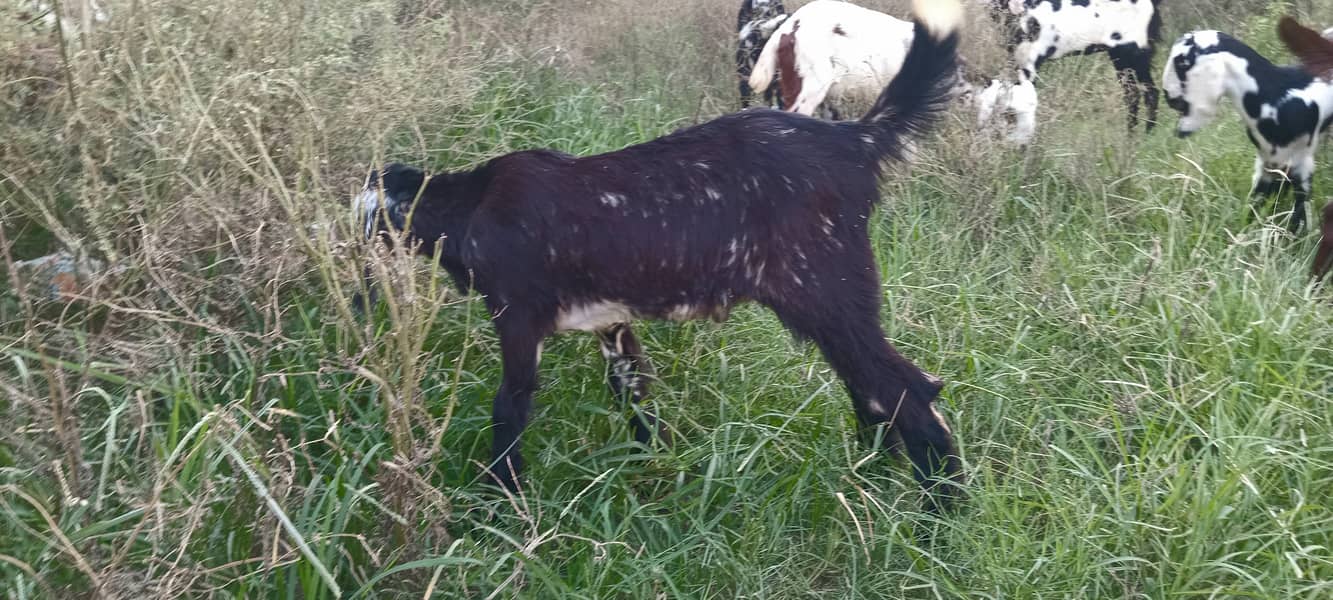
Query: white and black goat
x=759, y=205
x=1127, y=30
x=833, y=54
x=755, y=23
x=1284, y=108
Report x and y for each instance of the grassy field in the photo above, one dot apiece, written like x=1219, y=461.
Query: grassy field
x=1140, y=377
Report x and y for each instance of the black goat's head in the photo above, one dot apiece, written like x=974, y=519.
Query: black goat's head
x=393, y=190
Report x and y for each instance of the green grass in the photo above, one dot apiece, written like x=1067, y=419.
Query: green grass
x=1138, y=375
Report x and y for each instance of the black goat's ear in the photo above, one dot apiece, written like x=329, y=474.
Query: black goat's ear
x=400, y=180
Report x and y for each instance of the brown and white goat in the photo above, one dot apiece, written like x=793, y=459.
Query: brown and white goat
x=761, y=205
x=834, y=55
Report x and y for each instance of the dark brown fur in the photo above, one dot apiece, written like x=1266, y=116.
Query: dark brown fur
x=761, y=205
x=1323, y=258
x=1314, y=51
x=789, y=80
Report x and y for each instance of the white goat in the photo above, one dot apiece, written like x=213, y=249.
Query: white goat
x=833, y=53
x=1016, y=101
x=1284, y=108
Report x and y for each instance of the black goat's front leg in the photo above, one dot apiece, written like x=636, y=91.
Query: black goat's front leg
x=886, y=389
x=628, y=372
x=520, y=346
x=365, y=299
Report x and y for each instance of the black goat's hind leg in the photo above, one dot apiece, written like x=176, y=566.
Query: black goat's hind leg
x=628, y=373
x=886, y=389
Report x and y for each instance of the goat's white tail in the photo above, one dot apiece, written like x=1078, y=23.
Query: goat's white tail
x=921, y=90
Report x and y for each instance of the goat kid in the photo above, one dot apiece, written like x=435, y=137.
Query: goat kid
x=1284, y=109
x=1127, y=30
x=833, y=54
x=760, y=205
x=754, y=26
x=1015, y=103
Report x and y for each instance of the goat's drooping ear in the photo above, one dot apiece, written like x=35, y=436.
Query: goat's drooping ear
x=389, y=189
x=1314, y=50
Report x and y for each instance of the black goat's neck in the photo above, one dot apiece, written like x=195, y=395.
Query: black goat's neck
x=441, y=217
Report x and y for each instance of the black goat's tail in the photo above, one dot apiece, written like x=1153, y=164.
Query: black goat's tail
x=920, y=92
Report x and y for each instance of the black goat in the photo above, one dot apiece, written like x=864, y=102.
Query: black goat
x=755, y=23
x=760, y=205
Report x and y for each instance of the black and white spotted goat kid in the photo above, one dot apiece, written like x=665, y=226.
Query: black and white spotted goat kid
x=1284, y=108
x=755, y=23
x=760, y=205
x=1127, y=30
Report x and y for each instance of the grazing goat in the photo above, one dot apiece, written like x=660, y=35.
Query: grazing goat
x=1015, y=102
x=1284, y=108
x=1315, y=52
x=1127, y=30
x=754, y=25
x=832, y=52
x=759, y=205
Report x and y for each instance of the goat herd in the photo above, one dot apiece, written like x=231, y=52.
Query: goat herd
x=773, y=206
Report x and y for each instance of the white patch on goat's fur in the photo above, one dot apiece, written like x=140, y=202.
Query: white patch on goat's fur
x=712, y=194
x=1206, y=39
x=868, y=139
x=702, y=165
x=877, y=408
x=940, y=418
x=592, y=316
x=682, y=312
x=827, y=226
x=612, y=200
